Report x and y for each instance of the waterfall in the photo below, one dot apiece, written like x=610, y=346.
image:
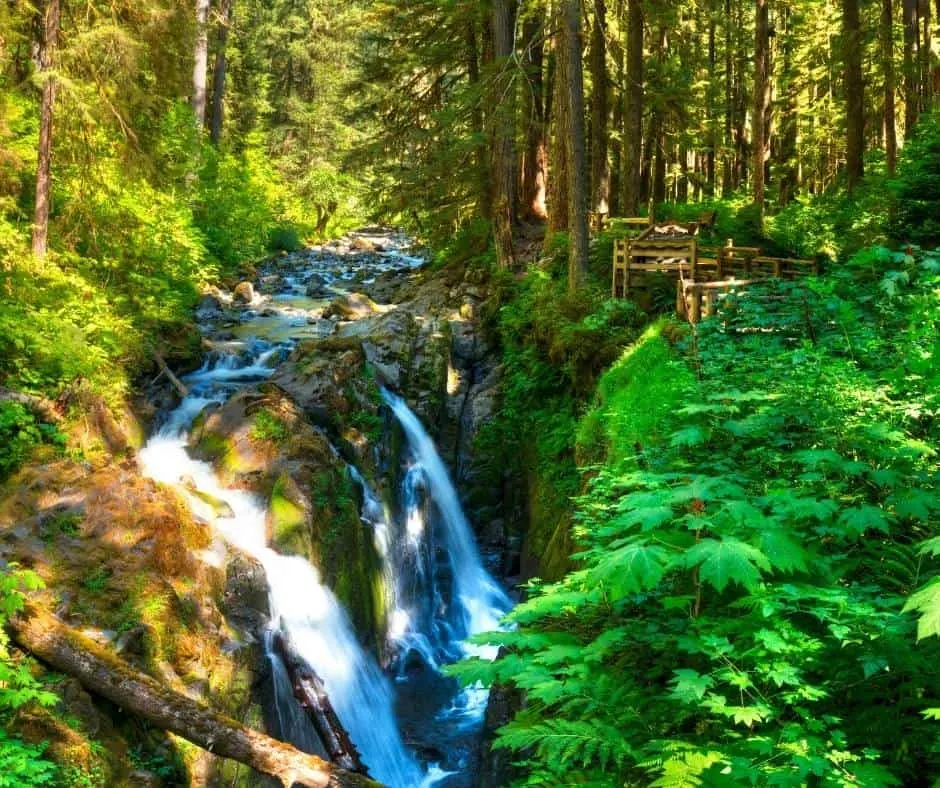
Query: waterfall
x=306, y=610
x=465, y=600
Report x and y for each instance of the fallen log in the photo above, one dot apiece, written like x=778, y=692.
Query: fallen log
x=164, y=369
x=311, y=694
x=42, y=407
x=101, y=672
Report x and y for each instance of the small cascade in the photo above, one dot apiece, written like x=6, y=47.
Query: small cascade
x=302, y=607
x=449, y=594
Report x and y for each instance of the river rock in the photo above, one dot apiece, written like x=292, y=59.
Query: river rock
x=317, y=288
x=245, y=599
x=272, y=283
x=209, y=308
x=360, y=244
x=244, y=292
x=351, y=306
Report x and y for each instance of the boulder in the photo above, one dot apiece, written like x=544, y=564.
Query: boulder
x=209, y=308
x=317, y=288
x=244, y=293
x=360, y=244
x=352, y=306
x=245, y=599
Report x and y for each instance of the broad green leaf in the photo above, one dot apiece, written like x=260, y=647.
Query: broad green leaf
x=727, y=561
x=926, y=602
x=859, y=519
x=690, y=686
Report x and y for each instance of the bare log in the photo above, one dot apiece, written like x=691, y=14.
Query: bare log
x=180, y=386
x=104, y=674
x=311, y=694
x=42, y=407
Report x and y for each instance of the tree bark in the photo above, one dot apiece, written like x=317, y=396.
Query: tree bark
x=600, y=166
x=200, y=62
x=887, y=59
x=102, y=673
x=727, y=178
x=789, y=175
x=761, y=100
x=311, y=694
x=854, y=94
x=577, y=182
x=911, y=91
x=633, y=111
x=535, y=165
x=45, y=63
x=712, y=128
x=221, y=65
x=558, y=207
x=504, y=157
x=618, y=53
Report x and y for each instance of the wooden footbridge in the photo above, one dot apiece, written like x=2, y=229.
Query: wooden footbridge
x=702, y=273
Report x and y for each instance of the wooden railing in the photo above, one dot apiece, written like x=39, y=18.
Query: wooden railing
x=702, y=273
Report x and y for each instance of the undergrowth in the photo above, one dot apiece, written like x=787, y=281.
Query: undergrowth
x=757, y=600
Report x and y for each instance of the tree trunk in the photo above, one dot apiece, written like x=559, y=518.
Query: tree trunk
x=911, y=92
x=712, y=128
x=616, y=143
x=45, y=62
x=477, y=119
x=102, y=673
x=761, y=100
x=789, y=176
x=221, y=64
x=535, y=166
x=558, y=208
x=600, y=166
x=633, y=111
x=887, y=59
x=577, y=182
x=504, y=157
x=200, y=62
x=854, y=94
x=727, y=178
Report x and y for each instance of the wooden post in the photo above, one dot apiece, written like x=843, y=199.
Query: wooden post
x=696, y=315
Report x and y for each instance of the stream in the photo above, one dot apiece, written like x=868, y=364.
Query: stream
x=412, y=725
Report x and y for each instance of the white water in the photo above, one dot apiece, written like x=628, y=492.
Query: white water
x=306, y=611
x=476, y=603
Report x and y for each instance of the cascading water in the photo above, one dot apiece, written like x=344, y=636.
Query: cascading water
x=447, y=606
x=306, y=611
x=437, y=591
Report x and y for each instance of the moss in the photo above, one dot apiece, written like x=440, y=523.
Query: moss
x=634, y=399
x=288, y=520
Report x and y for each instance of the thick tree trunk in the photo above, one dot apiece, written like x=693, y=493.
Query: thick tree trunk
x=616, y=143
x=102, y=673
x=854, y=93
x=535, y=165
x=600, y=166
x=911, y=91
x=45, y=62
x=504, y=157
x=761, y=100
x=577, y=159
x=558, y=208
x=200, y=62
x=221, y=65
x=887, y=59
x=633, y=111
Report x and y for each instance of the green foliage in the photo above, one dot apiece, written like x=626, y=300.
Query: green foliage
x=757, y=599
x=20, y=432
x=268, y=427
x=20, y=763
x=917, y=188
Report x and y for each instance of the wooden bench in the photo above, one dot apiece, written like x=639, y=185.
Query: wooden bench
x=649, y=255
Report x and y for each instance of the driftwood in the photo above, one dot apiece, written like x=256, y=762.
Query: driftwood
x=311, y=694
x=164, y=369
x=44, y=408
x=104, y=674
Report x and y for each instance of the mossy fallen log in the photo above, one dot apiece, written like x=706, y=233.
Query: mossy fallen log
x=101, y=672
